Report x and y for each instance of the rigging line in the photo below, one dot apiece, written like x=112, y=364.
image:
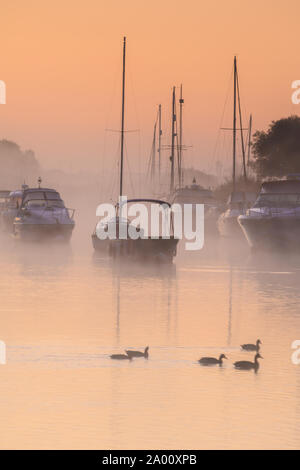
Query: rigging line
x=150, y=158
x=115, y=164
x=133, y=92
x=109, y=113
x=245, y=113
x=152, y=152
x=223, y=112
x=241, y=126
x=129, y=170
x=114, y=173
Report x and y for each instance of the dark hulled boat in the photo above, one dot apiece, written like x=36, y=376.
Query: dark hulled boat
x=143, y=247
x=151, y=248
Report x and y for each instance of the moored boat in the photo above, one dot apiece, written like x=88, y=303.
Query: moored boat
x=238, y=203
x=151, y=248
x=35, y=214
x=11, y=208
x=4, y=198
x=274, y=220
x=143, y=246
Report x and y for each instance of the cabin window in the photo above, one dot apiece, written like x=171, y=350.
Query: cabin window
x=278, y=200
x=35, y=195
x=36, y=203
x=52, y=195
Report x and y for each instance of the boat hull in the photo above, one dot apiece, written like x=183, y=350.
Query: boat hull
x=41, y=232
x=271, y=232
x=155, y=249
x=229, y=227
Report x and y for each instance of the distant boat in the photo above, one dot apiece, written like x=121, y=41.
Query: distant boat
x=238, y=203
x=36, y=214
x=4, y=198
x=274, y=220
x=11, y=208
x=145, y=247
x=196, y=194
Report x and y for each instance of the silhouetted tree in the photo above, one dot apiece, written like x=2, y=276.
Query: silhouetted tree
x=16, y=165
x=277, y=151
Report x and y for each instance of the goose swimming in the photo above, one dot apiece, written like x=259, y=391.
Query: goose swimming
x=252, y=347
x=144, y=354
x=209, y=361
x=120, y=357
x=247, y=365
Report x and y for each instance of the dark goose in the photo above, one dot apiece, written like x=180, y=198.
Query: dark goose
x=210, y=361
x=252, y=347
x=144, y=354
x=247, y=365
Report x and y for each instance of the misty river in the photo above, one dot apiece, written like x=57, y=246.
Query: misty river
x=64, y=310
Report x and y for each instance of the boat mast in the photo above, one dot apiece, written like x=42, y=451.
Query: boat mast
x=159, y=142
x=181, y=101
x=234, y=124
x=173, y=141
x=123, y=118
x=249, y=139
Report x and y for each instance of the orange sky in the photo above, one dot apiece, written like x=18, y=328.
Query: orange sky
x=61, y=61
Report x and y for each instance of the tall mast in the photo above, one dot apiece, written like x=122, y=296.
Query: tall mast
x=159, y=141
x=173, y=140
x=234, y=125
x=181, y=101
x=123, y=118
x=249, y=139
x=241, y=129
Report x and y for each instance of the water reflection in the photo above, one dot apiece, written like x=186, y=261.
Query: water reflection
x=62, y=314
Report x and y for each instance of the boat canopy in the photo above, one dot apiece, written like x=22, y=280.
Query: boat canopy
x=40, y=193
x=293, y=176
x=282, y=187
x=195, y=188
x=17, y=193
x=153, y=201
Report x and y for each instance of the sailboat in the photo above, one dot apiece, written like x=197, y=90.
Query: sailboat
x=153, y=248
x=238, y=201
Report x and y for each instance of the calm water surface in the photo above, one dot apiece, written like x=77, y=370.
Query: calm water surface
x=62, y=312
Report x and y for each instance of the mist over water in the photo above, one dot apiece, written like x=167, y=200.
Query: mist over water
x=64, y=310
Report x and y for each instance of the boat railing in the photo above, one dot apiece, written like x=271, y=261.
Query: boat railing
x=71, y=212
x=275, y=211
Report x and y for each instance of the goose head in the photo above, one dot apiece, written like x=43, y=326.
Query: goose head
x=257, y=356
x=222, y=356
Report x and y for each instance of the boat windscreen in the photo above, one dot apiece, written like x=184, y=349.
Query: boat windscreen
x=52, y=195
x=34, y=195
x=278, y=200
x=37, y=203
x=49, y=195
